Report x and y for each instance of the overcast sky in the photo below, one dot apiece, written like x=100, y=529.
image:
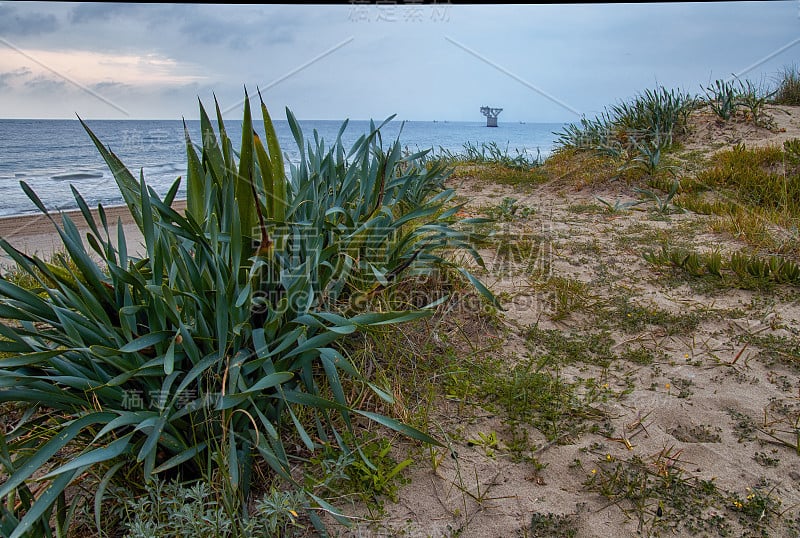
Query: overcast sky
x=540, y=62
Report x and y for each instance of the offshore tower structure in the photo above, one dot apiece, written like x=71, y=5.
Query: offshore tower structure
x=491, y=115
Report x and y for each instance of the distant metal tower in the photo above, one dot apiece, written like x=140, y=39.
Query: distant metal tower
x=491, y=115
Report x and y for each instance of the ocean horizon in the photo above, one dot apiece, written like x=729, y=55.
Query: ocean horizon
x=53, y=155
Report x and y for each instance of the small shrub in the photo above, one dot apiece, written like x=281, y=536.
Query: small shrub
x=663, y=204
x=753, y=98
x=553, y=525
x=788, y=87
x=172, y=510
x=756, y=176
x=722, y=98
x=509, y=210
x=371, y=477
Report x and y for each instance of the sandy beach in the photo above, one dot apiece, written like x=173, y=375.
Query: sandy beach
x=693, y=382
x=35, y=234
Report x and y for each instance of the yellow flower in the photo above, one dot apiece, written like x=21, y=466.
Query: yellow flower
x=667, y=385
x=685, y=355
x=594, y=471
x=608, y=457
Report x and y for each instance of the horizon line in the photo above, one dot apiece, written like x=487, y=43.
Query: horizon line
x=395, y=120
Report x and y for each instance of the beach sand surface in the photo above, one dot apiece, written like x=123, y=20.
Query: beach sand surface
x=36, y=234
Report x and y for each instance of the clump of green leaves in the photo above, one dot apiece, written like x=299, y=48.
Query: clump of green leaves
x=371, y=474
x=757, y=509
x=725, y=98
x=722, y=97
x=753, y=98
x=201, y=357
x=651, y=119
x=754, y=192
x=637, y=132
x=647, y=156
x=530, y=393
x=618, y=206
x=639, y=355
x=654, y=492
x=553, y=525
x=567, y=295
x=663, y=203
x=744, y=270
x=509, y=210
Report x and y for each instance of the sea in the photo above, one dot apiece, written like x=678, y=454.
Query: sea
x=52, y=156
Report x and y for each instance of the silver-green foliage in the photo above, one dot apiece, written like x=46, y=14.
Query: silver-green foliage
x=722, y=97
x=169, y=510
x=657, y=114
x=491, y=153
x=222, y=340
x=663, y=204
x=754, y=97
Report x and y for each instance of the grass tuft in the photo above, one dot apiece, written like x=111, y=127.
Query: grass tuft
x=788, y=87
x=756, y=176
x=491, y=153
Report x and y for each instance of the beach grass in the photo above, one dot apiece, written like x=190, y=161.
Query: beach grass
x=788, y=87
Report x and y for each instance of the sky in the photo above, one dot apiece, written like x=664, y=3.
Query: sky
x=540, y=63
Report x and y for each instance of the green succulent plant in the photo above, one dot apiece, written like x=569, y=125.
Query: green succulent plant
x=202, y=356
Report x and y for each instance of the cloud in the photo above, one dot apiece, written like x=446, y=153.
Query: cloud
x=237, y=30
x=154, y=59
x=45, y=84
x=100, y=12
x=110, y=86
x=90, y=67
x=14, y=23
x=7, y=78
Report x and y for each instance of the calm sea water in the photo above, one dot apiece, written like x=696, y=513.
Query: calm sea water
x=51, y=155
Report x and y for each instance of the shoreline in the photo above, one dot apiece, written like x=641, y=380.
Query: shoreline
x=35, y=233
